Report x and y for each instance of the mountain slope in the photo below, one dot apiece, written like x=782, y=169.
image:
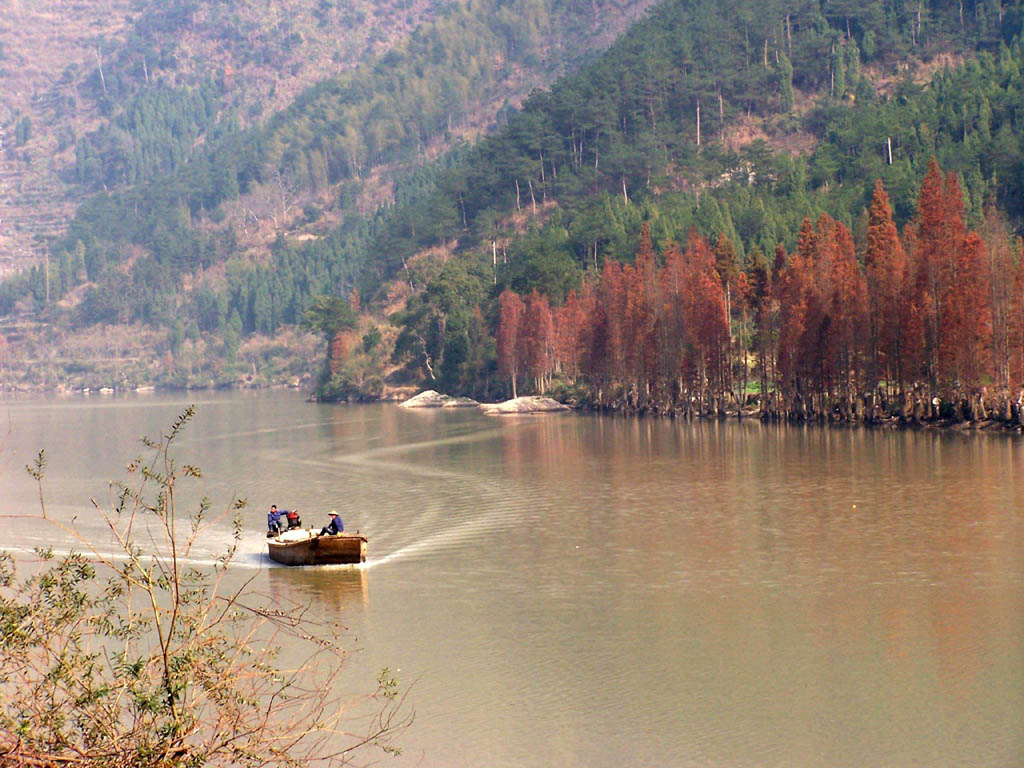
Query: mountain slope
x=85, y=75
x=39, y=42
x=380, y=113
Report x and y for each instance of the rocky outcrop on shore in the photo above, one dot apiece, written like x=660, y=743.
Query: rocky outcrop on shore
x=433, y=399
x=525, y=405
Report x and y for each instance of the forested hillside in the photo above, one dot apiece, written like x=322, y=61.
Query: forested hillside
x=737, y=122
x=626, y=142
x=143, y=87
x=475, y=57
x=107, y=92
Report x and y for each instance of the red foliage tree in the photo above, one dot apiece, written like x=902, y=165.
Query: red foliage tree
x=939, y=234
x=922, y=308
x=846, y=330
x=570, y=322
x=967, y=316
x=605, y=361
x=792, y=289
x=915, y=309
x=704, y=302
x=510, y=318
x=337, y=352
x=536, y=337
x=885, y=263
x=640, y=315
x=955, y=279
x=672, y=332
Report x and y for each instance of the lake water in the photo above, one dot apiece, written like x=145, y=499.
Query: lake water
x=573, y=590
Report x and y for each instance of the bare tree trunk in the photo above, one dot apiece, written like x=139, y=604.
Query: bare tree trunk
x=721, y=114
x=99, y=65
x=698, y=122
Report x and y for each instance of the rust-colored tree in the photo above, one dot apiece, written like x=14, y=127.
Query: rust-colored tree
x=846, y=334
x=510, y=318
x=967, y=317
x=915, y=310
x=954, y=281
x=792, y=289
x=672, y=333
x=640, y=316
x=605, y=359
x=940, y=232
x=885, y=263
x=570, y=323
x=536, y=338
x=704, y=302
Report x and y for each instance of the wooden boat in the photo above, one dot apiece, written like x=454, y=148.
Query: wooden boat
x=338, y=549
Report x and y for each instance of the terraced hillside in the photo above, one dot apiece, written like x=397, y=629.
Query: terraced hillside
x=78, y=74
x=41, y=42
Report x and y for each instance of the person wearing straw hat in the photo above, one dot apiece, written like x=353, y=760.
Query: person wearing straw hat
x=333, y=527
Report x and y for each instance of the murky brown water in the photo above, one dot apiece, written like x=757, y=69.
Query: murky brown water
x=584, y=591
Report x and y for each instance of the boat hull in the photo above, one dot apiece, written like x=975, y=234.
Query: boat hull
x=340, y=549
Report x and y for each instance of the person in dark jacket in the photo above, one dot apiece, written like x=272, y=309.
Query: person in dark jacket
x=273, y=520
x=333, y=527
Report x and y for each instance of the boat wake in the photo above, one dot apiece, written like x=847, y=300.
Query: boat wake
x=500, y=515
x=248, y=560
x=460, y=532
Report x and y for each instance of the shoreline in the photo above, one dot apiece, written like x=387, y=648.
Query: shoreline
x=883, y=420
x=892, y=423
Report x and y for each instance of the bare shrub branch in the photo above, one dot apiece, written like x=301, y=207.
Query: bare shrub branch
x=138, y=658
